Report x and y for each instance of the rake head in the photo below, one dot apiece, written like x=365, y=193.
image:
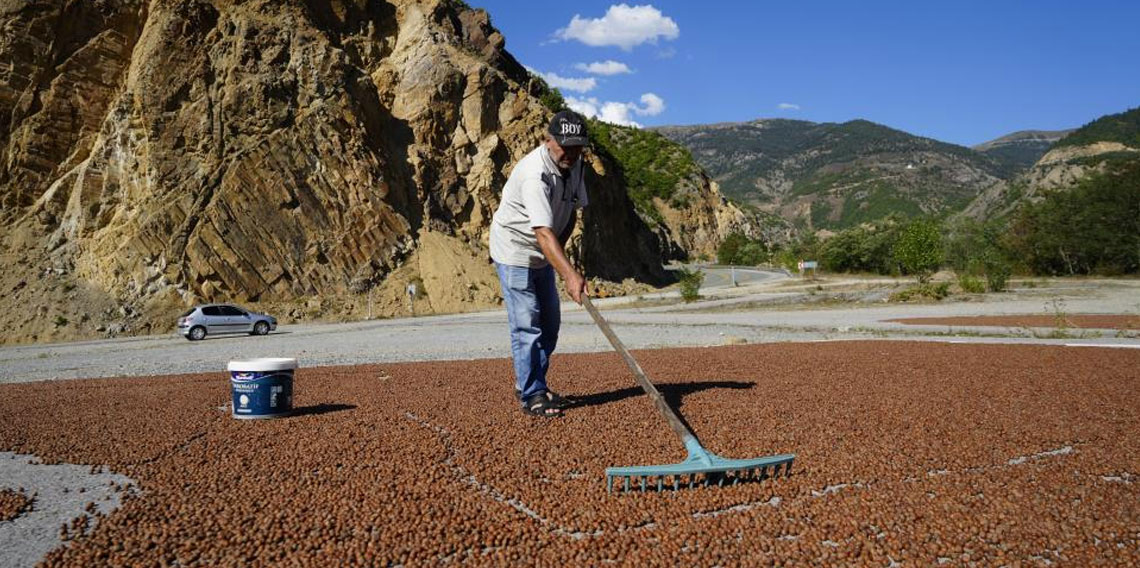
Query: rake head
x=702, y=467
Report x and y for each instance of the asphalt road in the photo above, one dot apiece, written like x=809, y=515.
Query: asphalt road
x=765, y=307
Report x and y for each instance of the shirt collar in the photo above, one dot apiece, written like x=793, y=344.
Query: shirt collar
x=553, y=167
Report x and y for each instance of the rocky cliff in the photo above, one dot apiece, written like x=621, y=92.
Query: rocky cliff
x=299, y=154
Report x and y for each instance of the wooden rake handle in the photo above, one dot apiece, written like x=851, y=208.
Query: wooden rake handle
x=639, y=375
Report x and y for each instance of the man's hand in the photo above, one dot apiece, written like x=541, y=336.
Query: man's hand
x=556, y=256
x=576, y=286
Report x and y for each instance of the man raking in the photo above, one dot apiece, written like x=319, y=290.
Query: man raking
x=528, y=235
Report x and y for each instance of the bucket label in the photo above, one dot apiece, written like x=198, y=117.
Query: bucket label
x=262, y=394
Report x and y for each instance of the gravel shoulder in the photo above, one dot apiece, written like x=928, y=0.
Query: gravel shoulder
x=768, y=307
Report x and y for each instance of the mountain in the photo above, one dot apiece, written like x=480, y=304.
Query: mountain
x=1094, y=147
x=1018, y=152
x=831, y=176
x=1122, y=128
x=310, y=158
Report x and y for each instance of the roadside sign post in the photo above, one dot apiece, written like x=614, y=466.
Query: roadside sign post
x=412, y=298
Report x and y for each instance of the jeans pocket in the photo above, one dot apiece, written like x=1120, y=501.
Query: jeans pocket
x=518, y=278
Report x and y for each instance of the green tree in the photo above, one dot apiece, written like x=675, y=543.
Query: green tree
x=737, y=248
x=864, y=248
x=690, y=283
x=550, y=97
x=919, y=249
x=752, y=253
x=975, y=249
x=1093, y=228
x=730, y=247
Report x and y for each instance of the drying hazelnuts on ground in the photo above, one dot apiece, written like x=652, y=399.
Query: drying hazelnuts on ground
x=907, y=452
x=12, y=503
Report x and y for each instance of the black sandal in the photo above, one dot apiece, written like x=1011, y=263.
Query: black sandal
x=556, y=400
x=559, y=402
x=542, y=406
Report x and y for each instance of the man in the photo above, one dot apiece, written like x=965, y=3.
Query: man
x=529, y=230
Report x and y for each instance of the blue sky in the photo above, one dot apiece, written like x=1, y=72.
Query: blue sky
x=962, y=71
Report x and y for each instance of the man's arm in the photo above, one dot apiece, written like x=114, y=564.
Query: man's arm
x=552, y=249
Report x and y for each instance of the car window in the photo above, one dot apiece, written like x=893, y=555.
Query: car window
x=212, y=311
x=231, y=311
x=188, y=312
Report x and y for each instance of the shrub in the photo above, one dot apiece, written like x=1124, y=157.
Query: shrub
x=998, y=271
x=919, y=249
x=550, y=97
x=690, y=281
x=932, y=290
x=729, y=248
x=971, y=284
x=752, y=254
x=865, y=248
x=739, y=249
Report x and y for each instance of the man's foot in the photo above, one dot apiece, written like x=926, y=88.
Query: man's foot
x=540, y=405
x=556, y=400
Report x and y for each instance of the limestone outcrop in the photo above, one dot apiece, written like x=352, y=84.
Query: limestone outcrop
x=165, y=152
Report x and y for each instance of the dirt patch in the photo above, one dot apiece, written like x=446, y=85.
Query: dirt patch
x=1129, y=322
x=912, y=453
x=13, y=503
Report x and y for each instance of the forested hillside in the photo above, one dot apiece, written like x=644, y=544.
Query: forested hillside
x=831, y=176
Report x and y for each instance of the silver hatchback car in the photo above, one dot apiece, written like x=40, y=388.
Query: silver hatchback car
x=206, y=319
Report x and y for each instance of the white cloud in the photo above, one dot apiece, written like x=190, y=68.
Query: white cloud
x=788, y=106
x=623, y=26
x=607, y=67
x=618, y=112
x=587, y=107
x=654, y=105
x=582, y=85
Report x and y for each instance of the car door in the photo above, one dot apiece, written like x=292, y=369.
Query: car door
x=214, y=320
x=237, y=319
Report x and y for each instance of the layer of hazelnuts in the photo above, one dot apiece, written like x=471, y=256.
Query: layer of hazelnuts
x=909, y=452
x=13, y=502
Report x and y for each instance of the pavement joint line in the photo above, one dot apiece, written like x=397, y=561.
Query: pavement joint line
x=1115, y=345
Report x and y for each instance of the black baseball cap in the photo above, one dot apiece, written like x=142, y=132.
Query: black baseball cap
x=568, y=128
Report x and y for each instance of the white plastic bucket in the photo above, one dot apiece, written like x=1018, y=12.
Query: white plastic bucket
x=262, y=388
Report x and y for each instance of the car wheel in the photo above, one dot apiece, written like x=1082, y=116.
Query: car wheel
x=261, y=328
x=197, y=333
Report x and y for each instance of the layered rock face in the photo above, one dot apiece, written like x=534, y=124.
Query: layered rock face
x=168, y=152
x=1058, y=169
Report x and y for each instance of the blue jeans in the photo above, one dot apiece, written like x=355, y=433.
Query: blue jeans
x=534, y=313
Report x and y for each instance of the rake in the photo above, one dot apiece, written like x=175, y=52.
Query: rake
x=701, y=466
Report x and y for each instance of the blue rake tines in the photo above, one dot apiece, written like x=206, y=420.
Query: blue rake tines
x=701, y=465
x=701, y=468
